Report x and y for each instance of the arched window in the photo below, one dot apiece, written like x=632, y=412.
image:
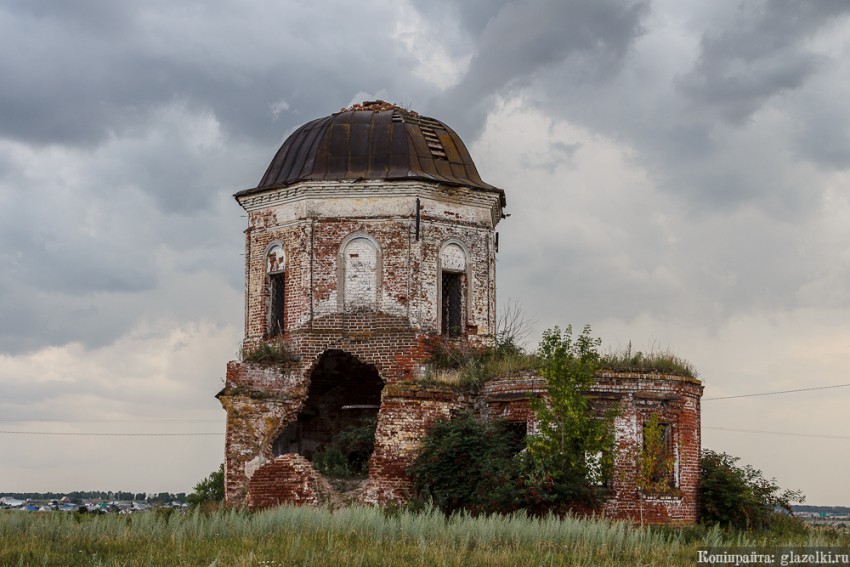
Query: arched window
x=276, y=280
x=361, y=269
x=452, y=290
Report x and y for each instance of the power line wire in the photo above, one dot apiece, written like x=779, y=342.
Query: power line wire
x=778, y=392
x=787, y=433
x=48, y=433
x=68, y=434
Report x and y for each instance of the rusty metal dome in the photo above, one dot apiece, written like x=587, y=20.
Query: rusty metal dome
x=373, y=140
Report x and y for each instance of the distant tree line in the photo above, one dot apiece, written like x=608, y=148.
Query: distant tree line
x=158, y=498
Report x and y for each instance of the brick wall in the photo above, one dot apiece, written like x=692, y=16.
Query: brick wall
x=510, y=398
x=637, y=396
x=359, y=279
x=312, y=224
x=408, y=409
x=260, y=399
x=677, y=402
x=288, y=479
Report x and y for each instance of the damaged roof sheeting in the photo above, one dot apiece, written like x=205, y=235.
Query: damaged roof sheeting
x=375, y=140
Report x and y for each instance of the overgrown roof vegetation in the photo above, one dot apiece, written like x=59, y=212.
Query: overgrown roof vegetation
x=273, y=351
x=460, y=364
x=661, y=361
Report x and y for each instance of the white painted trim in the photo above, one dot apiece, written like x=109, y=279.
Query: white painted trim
x=374, y=189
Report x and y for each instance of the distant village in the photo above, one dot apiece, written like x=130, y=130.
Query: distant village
x=93, y=502
x=127, y=503
x=835, y=516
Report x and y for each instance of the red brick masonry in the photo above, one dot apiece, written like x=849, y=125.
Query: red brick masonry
x=262, y=399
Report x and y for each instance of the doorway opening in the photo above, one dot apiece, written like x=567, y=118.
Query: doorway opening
x=336, y=427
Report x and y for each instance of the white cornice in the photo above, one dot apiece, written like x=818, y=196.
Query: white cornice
x=309, y=190
x=374, y=221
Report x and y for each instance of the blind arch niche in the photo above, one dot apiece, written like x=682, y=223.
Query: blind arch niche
x=360, y=273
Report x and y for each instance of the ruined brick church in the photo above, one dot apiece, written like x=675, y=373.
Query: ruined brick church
x=370, y=234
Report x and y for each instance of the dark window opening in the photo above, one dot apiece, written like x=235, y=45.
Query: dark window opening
x=277, y=293
x=336, y=427
x=452, y=305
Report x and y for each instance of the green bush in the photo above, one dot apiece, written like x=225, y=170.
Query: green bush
x=572, y=444
x=481, y=467
x=332, y=463
x=210, y=489
x=357, y=443
x=473, y=465
x=347, y=454
x=462, y=459
x=732, y=496
x=526, y=486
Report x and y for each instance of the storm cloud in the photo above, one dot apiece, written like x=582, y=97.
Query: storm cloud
x=677, y=173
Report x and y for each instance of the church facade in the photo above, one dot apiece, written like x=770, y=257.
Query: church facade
x=370, y=235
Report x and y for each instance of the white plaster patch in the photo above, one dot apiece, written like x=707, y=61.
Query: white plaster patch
x=276, y=260
x=252, y=465
x=361, y=262
x=453, y=258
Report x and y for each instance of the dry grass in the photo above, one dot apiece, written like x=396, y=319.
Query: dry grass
x=353, y=536
x=471, y=373
x=662, y=361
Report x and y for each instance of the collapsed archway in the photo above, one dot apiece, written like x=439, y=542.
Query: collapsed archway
x=336, y=427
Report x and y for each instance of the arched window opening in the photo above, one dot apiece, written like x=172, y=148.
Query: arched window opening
x=453, y=286
x=276, y=281
x=360, y=268
x=336, y=427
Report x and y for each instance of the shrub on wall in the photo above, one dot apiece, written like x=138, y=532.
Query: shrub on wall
x=465, y=365
x=572, y=445
x=270, y=352
x=478, y=466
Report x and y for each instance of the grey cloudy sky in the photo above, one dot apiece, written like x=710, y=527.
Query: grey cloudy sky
x=678, y=175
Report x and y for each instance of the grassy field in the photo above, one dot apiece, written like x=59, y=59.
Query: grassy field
x=358, y=536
